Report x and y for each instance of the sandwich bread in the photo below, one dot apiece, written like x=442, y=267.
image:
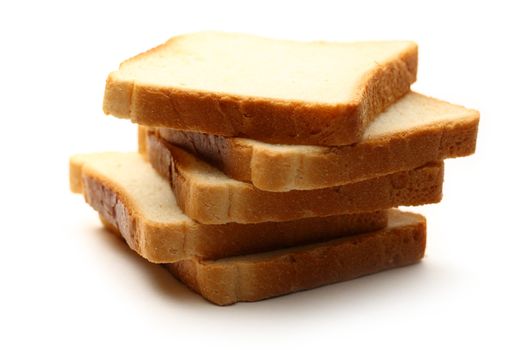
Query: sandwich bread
x=130, y=196
x=412, y=132
x=210, y=197
x=261, y=276
x=276, y=91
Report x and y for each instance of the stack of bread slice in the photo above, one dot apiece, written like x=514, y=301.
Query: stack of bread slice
x=269, y=166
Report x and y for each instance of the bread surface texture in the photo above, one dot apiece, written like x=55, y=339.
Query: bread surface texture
x=209, y=196
x=262, y=276
x=277, y=91
x=414, y=131
x=132, y=199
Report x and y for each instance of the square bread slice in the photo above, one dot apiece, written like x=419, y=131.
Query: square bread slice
x=276, y=91
x=261, y=276
x=412, y=132
x=208, y=196
x=131, y=197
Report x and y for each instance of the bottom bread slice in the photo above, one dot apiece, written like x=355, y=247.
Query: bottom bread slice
x=260, y=276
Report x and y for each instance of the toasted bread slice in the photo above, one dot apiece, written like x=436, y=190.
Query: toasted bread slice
x=210, y=197
x=414, y=131
x=261, y=276
x=271, y=90
x=130, y=196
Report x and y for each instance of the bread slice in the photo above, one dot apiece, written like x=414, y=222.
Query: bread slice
x=261, y=276
x=265, y=275
x=414, y=131
x=271, y=90
x=210, y=197
x=132, y=197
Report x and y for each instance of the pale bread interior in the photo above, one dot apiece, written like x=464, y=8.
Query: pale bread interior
x=149, y=193
x=415, y=111
x=226, y=63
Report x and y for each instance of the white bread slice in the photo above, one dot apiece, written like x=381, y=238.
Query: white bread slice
x=210, y=197
x=261, y=276
x=276, y=91
x=130, y=196
x=414, y=131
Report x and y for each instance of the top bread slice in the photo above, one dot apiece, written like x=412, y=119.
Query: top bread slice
x=276, y=91
x=133, y=199
x=414, y=131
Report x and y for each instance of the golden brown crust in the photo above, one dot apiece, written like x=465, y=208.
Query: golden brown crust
x=142, y=134
x=162, y=243
x=231, y=201
x=110, y=206
x=269, y=120
x=271, y=171
x=252, y=278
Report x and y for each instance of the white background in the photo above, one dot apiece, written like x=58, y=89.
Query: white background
x=65, y=283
